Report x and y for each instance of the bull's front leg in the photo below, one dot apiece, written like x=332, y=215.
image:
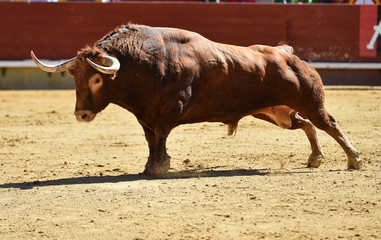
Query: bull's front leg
x=158, y=160
x=170, y=111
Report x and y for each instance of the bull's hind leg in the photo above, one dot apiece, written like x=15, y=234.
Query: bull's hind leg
x=324, y=121
x=287, y=118
x=317, y=154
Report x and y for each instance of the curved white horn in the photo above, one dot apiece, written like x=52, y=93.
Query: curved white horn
x=53, y=68
x=112, y=63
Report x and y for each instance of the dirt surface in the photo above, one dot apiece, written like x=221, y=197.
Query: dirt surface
x=61, y=179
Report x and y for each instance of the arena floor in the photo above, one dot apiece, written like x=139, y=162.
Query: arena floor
x=61, y=179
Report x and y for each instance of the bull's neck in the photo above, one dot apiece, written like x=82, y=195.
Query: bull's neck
x=126, y=98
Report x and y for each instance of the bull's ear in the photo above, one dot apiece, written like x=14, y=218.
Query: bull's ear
x=70, y=71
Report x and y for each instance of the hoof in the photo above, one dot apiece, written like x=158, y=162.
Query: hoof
x=356, y=164
x=157, y=170
x=314, y=161
x=354, y=161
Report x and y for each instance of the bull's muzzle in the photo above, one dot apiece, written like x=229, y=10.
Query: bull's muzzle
x=84, y=115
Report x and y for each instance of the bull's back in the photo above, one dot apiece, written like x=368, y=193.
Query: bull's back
x=246, y=79
x=230, y=84
x=227, y=82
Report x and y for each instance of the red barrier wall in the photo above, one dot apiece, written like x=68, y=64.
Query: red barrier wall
x=58, y=30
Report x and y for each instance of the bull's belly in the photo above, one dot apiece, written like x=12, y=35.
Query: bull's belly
x=279, y=115
x=224, y=114
x=228, y=105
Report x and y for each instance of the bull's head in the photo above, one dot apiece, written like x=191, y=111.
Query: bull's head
x=92, y=75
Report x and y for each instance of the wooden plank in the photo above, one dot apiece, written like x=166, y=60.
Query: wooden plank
x=58, y=30
x=324, y=32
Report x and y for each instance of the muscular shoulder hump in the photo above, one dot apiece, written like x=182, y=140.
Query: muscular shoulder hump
x=268, y=49
x=286, y=48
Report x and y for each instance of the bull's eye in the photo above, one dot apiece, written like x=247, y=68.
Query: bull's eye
x=95, y=82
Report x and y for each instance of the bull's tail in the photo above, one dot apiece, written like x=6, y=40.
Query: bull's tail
x=232, y=128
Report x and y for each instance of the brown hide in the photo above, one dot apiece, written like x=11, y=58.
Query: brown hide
x=169, y=77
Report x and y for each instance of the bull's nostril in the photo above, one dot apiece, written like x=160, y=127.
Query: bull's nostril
x=84, y=116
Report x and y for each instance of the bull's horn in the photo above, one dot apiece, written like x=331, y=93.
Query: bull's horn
x=112, y=63
x=53, y=68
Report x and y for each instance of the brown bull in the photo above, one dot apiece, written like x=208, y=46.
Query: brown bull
x=167, y=77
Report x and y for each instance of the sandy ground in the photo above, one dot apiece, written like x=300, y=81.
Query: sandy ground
x=61, y=179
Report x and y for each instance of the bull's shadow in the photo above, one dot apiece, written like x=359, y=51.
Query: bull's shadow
x=197, y=173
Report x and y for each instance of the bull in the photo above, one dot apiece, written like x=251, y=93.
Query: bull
x=167, y=77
